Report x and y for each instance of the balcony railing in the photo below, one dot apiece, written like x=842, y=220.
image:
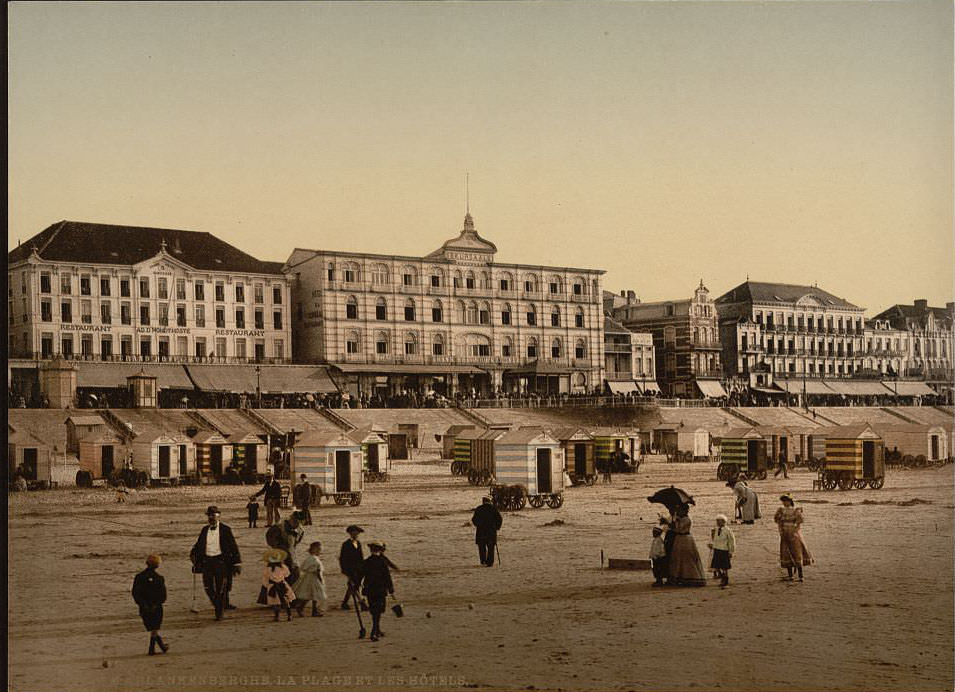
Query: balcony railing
x=130, y=358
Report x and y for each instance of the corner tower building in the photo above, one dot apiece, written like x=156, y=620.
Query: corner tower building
x=453, y=320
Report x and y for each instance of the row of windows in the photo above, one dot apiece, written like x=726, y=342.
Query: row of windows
x=162, y=285
x=162, y=346
x=145, y=317
x=383, y=346
x=811, y=322
x=467, y=314
x=351, y=273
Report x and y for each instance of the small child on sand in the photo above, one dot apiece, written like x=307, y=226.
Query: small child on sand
x=253, y=508
x=275, y=590
x=311, y=582
x=658, y=556
x=723, y=543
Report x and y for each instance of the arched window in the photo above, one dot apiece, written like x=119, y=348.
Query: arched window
x=352, y=343
x=485, y=281
x=381, y=309
x=506, y=281
x=469, y=281
x=696, y=335
x=555, y=348
x=531, y=315
x=484, y=314
x=437, y=345
x=379, y=275
x=507, y=347
x=331, y=271
x=411, y=344
x=471, y=316
x=409, y=310
x=579, y=286
x=580, y=349
x=352, y=272
x=457, y=279
x=381, y=343
x=437, y=311
x=409, y=276
x=554, y=285
x=532, y=348
x=506, y=314
x=530, y=283
x=579, y=318
x=555, y=316
x=437, y=277
x=351, y=308
x=478, y=346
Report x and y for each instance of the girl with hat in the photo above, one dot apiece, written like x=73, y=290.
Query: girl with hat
x=793, y=554
x=149, y=592
x=377, y=585
x=275, y=590
x=723, y=543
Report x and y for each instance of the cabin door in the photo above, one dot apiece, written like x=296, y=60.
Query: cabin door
x=868, y=459
x=215, y=459
x=373, y=458
x=544, y=478
x=752, y=455
x=580, y=459
x=783, y=450
x=164, y=461
x=183, y=460
x=106, y=459
x=343, y=471
x=252, y=457
x=29, y=463
x=935, y=452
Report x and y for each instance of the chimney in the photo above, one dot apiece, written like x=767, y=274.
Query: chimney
x=631, y=297
x=623, y=294
x=921, y=304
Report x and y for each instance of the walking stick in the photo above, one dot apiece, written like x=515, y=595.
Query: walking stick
x=496, y=548
x=195, y=607
x=361, y=625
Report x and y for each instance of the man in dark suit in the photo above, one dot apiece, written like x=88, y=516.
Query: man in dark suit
x=216, y=556
x=303, y=499
x=487, y=521
x=351, y=560
x=272, y=490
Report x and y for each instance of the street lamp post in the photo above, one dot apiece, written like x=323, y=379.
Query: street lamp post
x=258, y=387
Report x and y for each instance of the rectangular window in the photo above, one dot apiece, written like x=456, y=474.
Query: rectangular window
x=240, y=293
x=276, y=295
x=351, y=346
x=240, y=348
x=145, y=347
x=124, y=288
x=10, y=315
x=469, y=282
x=86, y=344
x=66, y=345
x=351, y=311
x=407, y=279
x=579, y=320
x=437, y=348
x=258, y=293
x=410, y=348
x=349, y=276
x=435, y=281
x=46, y=345
x=164, y=314
x=200, y=315
x=200, y=290
x=220, y=347
x=240, y=318
x=180, y=289
x=554, y=287
x=456, y=281
x=144, y=314
x=219, y=292
x=279, y=347
x=381, y=347
x=506, y=350
x=46, y=311
x=45, y=286
x=66, y=311
x=484, y=317
x=484, y=349
x=163, y=352
x=220, y=318
x=381, y=312
x=331, y=273
x=200, y=347
x=85, y=288
x=505, y=317
x=532, y=350
x=66, y=284
x=143, y=287
x=409, y=314
x=259, y=318
x=105, y=314
x=104, y=289
x=532, y=318
x=578, y=290
x=86, y=312
x=505, y=285
x=180, y=315
x=555, y=351
x=125, y=313
x=126, y=346
x=436, y=314
x=579, y=351
x=555, y=319
x=277, y=319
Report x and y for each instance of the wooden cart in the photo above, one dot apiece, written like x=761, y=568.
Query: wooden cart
x=742, y=450
x=855, y=458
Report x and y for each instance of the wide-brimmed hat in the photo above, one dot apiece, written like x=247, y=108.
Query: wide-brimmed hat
x=374, y=543
x=723, y=517
x=274, y=555
x=354, y=528
x=212, y=509
x=787, y=496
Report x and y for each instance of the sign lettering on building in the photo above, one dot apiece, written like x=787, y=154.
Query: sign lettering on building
x=240, y=332
x=86, y=328
x=163, y=330
x=468, y=257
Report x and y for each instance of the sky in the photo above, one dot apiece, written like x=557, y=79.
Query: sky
x=663, y=142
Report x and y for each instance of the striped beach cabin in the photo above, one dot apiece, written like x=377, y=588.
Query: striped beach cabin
x=213, y=453
x=856, y=450
x=249, y=451
x=330, y=460
x=531, y=457
x=745, y=449
x=374, y=448
x=579, y=453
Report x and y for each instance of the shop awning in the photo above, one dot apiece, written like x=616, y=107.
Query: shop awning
x=858, y=388
x=274, y=379
x=408, y=369
x=909, y=388
x=814, y=387
x=764, y=390
x=649, y=386
x=540, y=369
x=711, y=388
x=113, y=375
x=623, y=387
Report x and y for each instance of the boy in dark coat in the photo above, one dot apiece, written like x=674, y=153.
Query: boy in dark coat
x=487, y=520
x=351, y=559
x=149, y=592
x=377, y=586
x=253, y=508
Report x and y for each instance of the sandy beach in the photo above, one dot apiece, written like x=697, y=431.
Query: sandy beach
x=875, y=611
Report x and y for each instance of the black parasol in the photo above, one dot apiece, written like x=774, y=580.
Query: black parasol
x=671, y=498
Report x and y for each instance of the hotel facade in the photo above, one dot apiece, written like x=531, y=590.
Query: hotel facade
x=453, y=320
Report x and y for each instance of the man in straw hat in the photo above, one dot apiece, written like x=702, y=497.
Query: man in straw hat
x=377, y=585
x=487, y=521
x=216, y=556
x=351, y=559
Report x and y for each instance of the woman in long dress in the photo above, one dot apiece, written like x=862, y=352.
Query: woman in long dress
x=793, y=554
x=686, y=568
x=747, y=502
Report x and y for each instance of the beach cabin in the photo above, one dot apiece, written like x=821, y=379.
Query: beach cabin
x=100, y=451
x=918, y=443
x=448, y=438
x=579, y=450
x=742, y=450
x=249, y=452
x=41, y=463
x=609, y=440
x=855, y=455
x=213, y=453
x=332, y=461
x=81, y=426
x=374, y=451
x=157, y=452
x=530, y=457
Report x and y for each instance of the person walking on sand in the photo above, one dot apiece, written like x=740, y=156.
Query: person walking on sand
x=149, y=592
x=487, y=522
x=272, y=494
x=793, y=554
x=351, y=559
x=216, y=556
x=253, y=509
x=723, y=543
x=377, y=585
x=303, y=499
x=685, y=567
x=275, y=590
x=311, y=582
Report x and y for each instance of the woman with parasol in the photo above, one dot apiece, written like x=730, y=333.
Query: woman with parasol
x=685, y=567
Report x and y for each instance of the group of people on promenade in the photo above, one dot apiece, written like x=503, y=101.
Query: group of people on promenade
x=675, y=558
